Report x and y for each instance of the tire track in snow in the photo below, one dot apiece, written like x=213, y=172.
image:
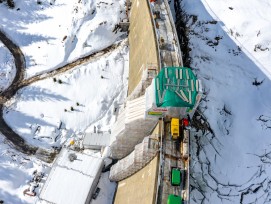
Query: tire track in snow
x=15, y=140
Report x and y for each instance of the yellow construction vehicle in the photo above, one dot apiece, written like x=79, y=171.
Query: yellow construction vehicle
x=175, y=128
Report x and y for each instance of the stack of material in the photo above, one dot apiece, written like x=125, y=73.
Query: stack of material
x=139, y=158
x=130, y=128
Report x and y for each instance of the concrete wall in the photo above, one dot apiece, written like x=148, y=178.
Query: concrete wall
x=139, y=188
x=142, y=42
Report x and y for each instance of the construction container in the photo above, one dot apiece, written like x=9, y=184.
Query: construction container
x=175, y=128
x=174, y=199
x=175, y=177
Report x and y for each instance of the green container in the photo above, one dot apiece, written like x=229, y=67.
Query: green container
x=175, y=177
x=173, y=199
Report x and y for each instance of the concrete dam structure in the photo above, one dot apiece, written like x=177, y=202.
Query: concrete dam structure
x=153, y=43
x=159, y=89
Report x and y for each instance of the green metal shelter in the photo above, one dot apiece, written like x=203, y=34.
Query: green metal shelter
x=174, y=92
x=176, y=87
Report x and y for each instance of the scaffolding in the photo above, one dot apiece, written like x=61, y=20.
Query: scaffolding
x=139, y=158
x=130, y=128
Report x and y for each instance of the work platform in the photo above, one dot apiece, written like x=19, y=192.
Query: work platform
x=171, y=156
x=168, y=43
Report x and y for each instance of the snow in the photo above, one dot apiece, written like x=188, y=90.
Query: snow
x=249, y=30
x=96, y=140
x=60, y=190
x=72, y=181
x=52, y=34
x=7, y=67
x=230, y=42
x=16, y=171
x=50, y=39
x=82, y=88
x=86, y=164
x=107, y=191
x=233, y=165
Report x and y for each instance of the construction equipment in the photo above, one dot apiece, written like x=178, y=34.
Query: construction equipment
x=175, y=128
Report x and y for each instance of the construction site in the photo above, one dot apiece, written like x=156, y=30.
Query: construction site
x=150, y=138
x=153, y=154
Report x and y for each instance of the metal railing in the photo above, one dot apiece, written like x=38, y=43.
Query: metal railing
x=174, y=32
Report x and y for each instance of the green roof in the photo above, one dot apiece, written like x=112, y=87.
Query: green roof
x=174, y=199
x=176, y=87
x=175, y=177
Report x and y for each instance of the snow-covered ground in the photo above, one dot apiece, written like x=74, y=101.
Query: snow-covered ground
x=230, y=53
x=7, y=67
x=54, y=32
x=16, y=172
x=107, y=191
x=230, y=42
x=49, y=112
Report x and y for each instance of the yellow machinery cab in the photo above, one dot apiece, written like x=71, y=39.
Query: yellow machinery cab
x=175, y=128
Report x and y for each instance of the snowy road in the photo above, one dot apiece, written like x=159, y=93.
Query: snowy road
x=20, y=67
x=12, y=136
